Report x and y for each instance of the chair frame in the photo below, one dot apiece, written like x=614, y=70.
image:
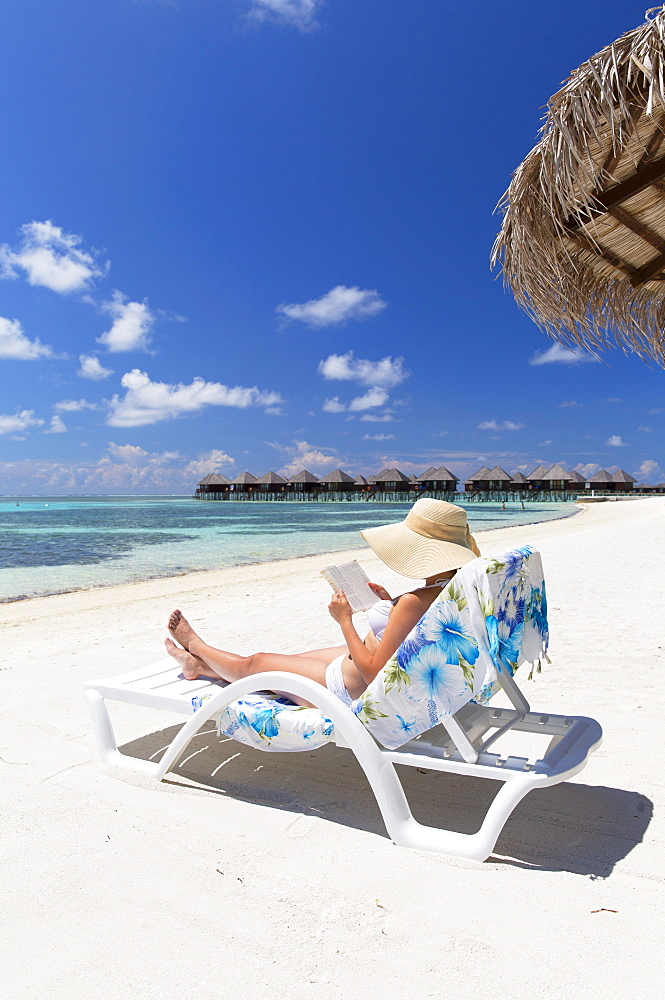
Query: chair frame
x=459, y=745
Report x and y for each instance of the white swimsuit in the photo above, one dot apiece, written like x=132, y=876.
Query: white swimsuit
x=378, y=619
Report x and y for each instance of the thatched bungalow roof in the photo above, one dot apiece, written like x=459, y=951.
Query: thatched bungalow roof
x=426, y=475
x=360, y=481
x=622, y=477
x=336, y=476
x=244, y=479
x=480, y=476
x=271, y=479
x=601, y=477
x=390, y=476
x=582, y=245
x=557, y=472
x=214, y=479
x=440, y=475
x=519, y=478
x=498, y=475
x=303, y=477
x=538, y=474
x=576, y=477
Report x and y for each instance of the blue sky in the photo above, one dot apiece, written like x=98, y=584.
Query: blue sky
x=255, y=234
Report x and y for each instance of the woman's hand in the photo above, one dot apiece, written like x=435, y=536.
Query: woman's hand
x=380, y=591
x=339, y=607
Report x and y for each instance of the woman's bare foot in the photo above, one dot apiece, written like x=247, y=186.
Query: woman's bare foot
x=180, y=629
x=190, y=665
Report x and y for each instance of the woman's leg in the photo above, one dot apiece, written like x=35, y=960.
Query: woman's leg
x=199, y=658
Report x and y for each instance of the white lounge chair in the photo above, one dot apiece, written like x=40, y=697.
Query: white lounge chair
x=426, y=708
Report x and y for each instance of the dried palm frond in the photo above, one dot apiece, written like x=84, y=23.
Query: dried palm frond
x=582, y=245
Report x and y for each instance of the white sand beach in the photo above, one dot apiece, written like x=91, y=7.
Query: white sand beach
x=278, y=878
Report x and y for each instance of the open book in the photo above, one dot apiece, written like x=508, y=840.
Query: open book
x=352, y=579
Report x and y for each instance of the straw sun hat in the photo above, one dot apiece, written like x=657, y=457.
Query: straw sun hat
x=432, y=538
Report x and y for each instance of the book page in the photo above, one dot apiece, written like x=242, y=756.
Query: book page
x=352, y=579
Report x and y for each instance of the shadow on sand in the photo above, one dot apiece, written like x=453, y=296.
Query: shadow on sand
x=583, y=829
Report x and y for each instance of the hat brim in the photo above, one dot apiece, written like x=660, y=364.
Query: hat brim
x=414, y=555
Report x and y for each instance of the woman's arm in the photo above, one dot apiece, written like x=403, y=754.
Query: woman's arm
x=404, y=615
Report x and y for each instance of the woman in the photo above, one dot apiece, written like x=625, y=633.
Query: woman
x=431, y=543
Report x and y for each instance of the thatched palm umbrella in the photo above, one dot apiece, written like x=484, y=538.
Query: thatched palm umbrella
x=582, y=244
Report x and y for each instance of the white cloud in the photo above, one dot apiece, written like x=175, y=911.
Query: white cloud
x=57, y=426
x=132, y=323
x=588, y=470
x=646, y=430
x=49, y=257
x=376, y=418
x=569, y=402
x=20, y=421
x=74, y=405
x=651, y=471
x=543, y=444
x=492, y=425
x=378, y=437
x=300, y=14
x=123, y=471
x=15, y=346
x=92, y=368
x=333, y=405
x=558, y=354
x=614, y=441
x=303, y=455
x=369, y=400
x=146, y=402
x=337, y=306
x=387, y=372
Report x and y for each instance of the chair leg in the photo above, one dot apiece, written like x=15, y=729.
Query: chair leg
x=105, y=736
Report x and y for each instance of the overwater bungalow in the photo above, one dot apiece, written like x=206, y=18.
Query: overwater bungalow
x=519, y=483
x=391, y=481
x=612, y=482
x=337, y=482
x=361, y=484
x=473, y=482
x=439, y=480
x=214, y=486
x=537, y=477
x=243, y=485
x=302, y=482
x=272, y=482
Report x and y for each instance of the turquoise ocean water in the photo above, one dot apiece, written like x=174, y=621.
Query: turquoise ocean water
x=52, y=545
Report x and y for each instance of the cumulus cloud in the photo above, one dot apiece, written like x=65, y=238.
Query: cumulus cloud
x=15, y=346
x=57, y=426
x=387, y=373
x=614, y=441
x=303, y=455
x=74, y=405
x=337, y=306
x=368, y=401
x=557, y=354
x=92, y=368
x=50, y=257
x=333, y=405
x=300, y=14
x=493, y=425
x=125, y=469
x=378, y=437
x=132, y=323
x=650, y=471
x=147, y=402
x=588, y=470
x=18, y=422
